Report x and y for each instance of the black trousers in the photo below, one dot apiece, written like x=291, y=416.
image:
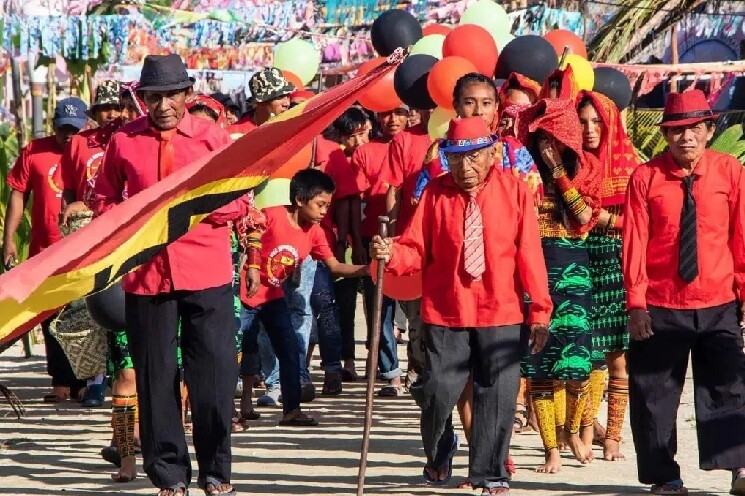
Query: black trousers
x=58, y=366
x=493, y=354
x=346, y=300
x=657, y=370
x=210, y=370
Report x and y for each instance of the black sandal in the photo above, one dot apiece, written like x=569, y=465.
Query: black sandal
x=211, y=484
x=177, y=490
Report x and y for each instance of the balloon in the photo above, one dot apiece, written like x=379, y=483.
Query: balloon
x=475, y=44
x=436, y=29
x=393, y=29
x=381, y=97
x=503, y=39
x=614, y=84
x=529, y=55
x=272, y=193
x=560, y=38
x=410, y=81
x=429, y=45
x=299, y=57
x=489, y=15
x=439, y=122
x=107, y=308
x=584, y=76
x=293, y=79
x=401, y=288
x=444, y=76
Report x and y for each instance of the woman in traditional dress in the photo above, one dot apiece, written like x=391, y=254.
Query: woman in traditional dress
x=569, y=210
x=604, y=136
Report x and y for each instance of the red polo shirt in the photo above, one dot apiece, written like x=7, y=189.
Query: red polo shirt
x=83, y=156
x=37, y=171
x=200, y=259
x=368, y=162
x=515, y=265
x=654, y=202
x=243, y=126
x=283, y=246
x=406, y=157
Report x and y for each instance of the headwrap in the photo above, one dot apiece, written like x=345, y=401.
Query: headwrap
x=130, y=89
x=558, y=118
x=616, y=153
x=567, y=86
x=210, y=103
x=520, y=82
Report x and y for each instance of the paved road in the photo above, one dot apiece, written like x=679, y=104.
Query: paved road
x=54, y=450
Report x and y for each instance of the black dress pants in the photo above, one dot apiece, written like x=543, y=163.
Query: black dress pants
x=657, y=370
x=58, y=366
x=210, y=370
x=493, y=354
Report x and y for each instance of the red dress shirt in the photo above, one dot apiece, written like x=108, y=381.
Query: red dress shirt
x=200, y=259
x=37, y=171
x=368, y=161
x=654, y=201
x=406, y=158
x=515, y=265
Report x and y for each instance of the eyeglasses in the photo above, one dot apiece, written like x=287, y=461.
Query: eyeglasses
x=468, y=157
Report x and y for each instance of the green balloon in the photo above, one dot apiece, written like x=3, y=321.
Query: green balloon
x=502, y=38
x=429, y=45
x=299, y=57
x=272, y=193
x=490, y=16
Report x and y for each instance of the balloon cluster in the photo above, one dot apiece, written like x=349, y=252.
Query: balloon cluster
x=298, y=60
x=439, y=55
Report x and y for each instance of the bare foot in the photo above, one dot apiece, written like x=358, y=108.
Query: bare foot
x=553, y=462
x=438, y=474
x=580, y=451
x=612, y=451
x=587, y=434
x=561, y=440
x=128, y=470
x=599, y=436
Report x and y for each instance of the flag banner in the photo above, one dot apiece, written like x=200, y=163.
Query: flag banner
x=134, y=231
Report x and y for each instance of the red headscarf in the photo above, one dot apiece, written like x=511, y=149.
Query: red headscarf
x=567, y=86
x=616, y=153
x=210, y=103
x=520, y=82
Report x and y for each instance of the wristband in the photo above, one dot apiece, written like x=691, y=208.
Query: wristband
x=618, y=222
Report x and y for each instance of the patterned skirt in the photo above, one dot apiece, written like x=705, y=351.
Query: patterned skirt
x=568, y=353
x=608, y=317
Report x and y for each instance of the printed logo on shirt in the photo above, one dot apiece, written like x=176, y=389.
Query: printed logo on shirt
x=91, y=167
x=57, y=188
x=282, y=261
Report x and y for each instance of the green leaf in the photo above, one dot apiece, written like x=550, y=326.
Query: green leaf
x=728, y=139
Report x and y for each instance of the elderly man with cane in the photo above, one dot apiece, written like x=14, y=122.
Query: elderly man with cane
x=472, y=301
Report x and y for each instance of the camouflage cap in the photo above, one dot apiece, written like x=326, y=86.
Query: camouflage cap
x=268, y=84
x=107, y=93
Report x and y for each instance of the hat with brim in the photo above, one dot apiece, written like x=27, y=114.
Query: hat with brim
x=107, y=93
x=164, y=73
x=71, y=112
x=467, y=135
x=269, y=84
x=686, y=109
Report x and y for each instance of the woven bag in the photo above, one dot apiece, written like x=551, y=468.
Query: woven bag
x=76, y=221
x=83, y=341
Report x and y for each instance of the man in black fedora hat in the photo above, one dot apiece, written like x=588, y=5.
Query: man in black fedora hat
x=188, y=283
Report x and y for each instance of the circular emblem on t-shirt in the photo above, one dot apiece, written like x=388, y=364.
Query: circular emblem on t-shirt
x=53, y=181
x=282, y=261
x=92, y=165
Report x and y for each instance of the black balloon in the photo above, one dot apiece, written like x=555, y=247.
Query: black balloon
x=529, y=55
x=410, y=81
x=107, y=308
x=393, y=29
x=613, y=84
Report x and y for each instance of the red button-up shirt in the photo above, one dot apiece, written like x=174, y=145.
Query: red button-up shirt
x=654, y=202
x=368, y=161
x=81, y=160
x=200, y=259
x=515, y=265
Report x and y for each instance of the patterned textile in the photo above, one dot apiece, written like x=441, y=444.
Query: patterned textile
x=107, y=93
x=124, y=420
x=576, y=403
x=608, y=316
x=548, y=226
x=520, y=82
x=618, y=399
x=473, y=246
x=237, y=305
x=119, y=356
x=541, y=392
x=269, y=84
x=597, y=388
x=568, y=353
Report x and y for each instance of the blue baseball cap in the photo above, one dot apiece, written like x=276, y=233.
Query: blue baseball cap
x=71, y=112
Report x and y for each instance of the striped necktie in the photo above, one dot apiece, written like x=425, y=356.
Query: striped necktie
x=688, y=260
x=473, y=243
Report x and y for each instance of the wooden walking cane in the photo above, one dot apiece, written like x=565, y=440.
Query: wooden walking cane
x=372, y=363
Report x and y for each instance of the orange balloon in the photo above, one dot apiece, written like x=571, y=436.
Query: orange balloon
x=401, y=288
x=301, y=160
x=443, y=78
x=560, y=38
x=473, y=43
x=381, y=97
x=293, y=79
x=436, y=29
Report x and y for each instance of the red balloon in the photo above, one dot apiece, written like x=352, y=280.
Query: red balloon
x=436, y=29
x=444, y=76
x=381, y=97
x=473, y=43
x=560, y=38
x=402, y=288
x=293, y=79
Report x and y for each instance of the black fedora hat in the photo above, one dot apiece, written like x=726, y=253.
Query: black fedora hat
x=164, y=73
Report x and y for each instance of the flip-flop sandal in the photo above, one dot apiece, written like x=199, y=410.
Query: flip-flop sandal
x=302, y=421
x=738, y=485
x=112, y=455
x=240, y=421
x=669, y=489
x=174, y=491
x=465, y=484
x=213, y=484
x=55, y=398
x=449, y=461
x=389, y=392
x=121, y=479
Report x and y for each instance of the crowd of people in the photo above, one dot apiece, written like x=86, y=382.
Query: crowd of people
x=556, y=270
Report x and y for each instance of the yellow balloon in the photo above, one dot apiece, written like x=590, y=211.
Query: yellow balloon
x=584, y=75
x=439, y=122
